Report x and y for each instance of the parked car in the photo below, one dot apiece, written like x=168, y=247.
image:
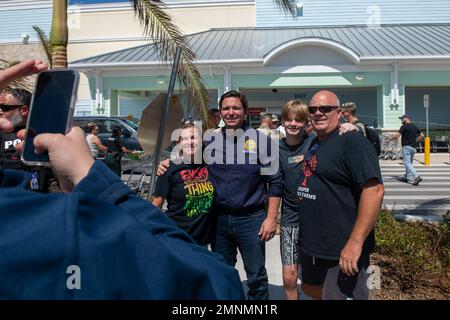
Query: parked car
x=106, y=124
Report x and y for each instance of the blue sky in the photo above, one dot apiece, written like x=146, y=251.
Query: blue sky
x=93, y=1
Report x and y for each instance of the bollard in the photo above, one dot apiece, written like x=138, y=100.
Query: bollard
x=427, y=151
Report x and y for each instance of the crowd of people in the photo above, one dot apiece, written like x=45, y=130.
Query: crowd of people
x=338, y=183
x=324, y=178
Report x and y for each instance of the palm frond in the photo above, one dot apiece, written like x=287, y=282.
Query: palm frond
x=23, y=83
x=45, y=43
x=158, y=26
x=288, y=6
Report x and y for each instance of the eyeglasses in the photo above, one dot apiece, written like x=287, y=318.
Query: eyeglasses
x=9, y=107
x=322, y=109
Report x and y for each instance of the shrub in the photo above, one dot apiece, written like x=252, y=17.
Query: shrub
x=418, y=252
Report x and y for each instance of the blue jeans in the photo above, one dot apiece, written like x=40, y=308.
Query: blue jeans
x=239, y=230
x=408, y=157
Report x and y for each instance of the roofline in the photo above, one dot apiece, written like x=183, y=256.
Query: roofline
x=243, y=61
x=354, y=56
x=334, y=26
x=158, y=63
x=400, y=58
x=306, y=41
x=151, y=43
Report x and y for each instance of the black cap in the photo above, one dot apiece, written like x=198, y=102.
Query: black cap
x=404, y=116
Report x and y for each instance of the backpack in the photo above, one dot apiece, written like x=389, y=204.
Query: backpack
x=373, y=137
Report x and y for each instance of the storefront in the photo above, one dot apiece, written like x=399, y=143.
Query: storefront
x=385, y=78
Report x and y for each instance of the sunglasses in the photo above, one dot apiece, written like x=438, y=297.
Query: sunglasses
x=9, y=107
x=322, y=109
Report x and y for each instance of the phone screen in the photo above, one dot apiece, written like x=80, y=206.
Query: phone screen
x=51, y=108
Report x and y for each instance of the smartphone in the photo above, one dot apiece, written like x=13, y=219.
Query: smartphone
x=51, y=110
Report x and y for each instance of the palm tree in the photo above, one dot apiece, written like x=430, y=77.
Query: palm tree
x=45, y=43
x=288, y=6
x=59, y=35
x=157, y=25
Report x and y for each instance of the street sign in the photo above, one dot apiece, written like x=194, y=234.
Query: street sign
x=151, y=120
x=426, y=100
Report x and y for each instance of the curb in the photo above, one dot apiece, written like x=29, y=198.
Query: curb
x=418, y=218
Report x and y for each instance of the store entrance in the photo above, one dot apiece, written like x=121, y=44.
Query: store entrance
x=272, y=100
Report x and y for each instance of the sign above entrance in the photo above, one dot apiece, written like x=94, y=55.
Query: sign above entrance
x=426, y=100
x=255, y=111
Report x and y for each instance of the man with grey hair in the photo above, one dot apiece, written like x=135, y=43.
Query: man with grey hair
x=15, y=107
x=265, y=123
x=349, y=114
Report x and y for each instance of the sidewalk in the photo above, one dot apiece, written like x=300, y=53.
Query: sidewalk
x=436, y=159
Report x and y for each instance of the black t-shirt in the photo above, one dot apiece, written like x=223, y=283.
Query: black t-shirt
x=409, y=134
x=189, y=194
x=9, y=157
x=291, y=157
x=332, y=176
x=114, y=144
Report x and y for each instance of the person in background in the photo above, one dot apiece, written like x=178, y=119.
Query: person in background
x=349, y=114
x=15, y=107
x=409, y=133
x=187, y=187
x=309, y=128
x=265, y=123
x=94, y=143
x=116, y=150
x=215, y=114
x=275, y=122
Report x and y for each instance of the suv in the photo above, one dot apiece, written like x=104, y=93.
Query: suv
x=106, y=124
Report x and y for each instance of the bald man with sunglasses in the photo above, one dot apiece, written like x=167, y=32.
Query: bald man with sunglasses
x=340, y=196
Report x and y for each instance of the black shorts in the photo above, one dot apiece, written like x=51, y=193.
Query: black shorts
x=336, y=284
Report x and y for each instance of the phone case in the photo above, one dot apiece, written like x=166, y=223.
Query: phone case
x=73, y=100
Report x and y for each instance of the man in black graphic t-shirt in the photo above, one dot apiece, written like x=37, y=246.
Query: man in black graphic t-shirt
x=340, y=196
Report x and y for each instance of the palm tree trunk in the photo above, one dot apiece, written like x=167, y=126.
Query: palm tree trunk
x=59, y=34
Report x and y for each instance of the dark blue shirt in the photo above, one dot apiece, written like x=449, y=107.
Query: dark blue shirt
x=243, y=169
x=124, y=247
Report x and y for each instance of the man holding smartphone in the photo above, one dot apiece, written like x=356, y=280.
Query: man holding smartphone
x=99, y=240
x=14, y=106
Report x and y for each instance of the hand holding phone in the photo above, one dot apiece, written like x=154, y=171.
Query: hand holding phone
x=51, y=110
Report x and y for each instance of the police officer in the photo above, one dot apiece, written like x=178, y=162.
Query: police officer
x=14, y=106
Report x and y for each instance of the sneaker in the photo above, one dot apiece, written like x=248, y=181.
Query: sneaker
x=417, y=180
